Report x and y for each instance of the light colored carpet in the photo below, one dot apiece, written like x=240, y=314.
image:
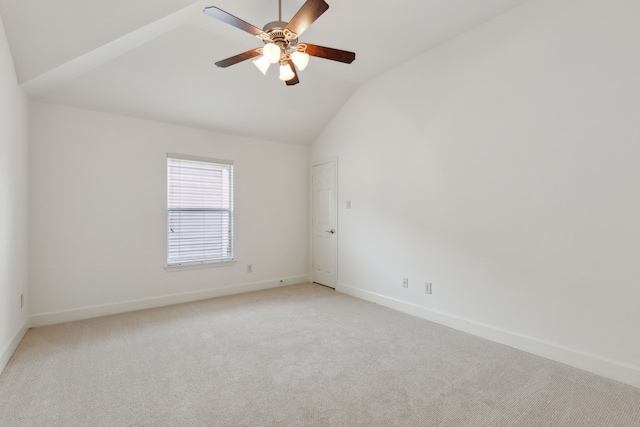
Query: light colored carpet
x=292, y=356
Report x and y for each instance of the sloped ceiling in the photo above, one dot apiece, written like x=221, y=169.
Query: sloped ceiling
x=155, y=59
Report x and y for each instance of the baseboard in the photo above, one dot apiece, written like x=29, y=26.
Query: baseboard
x=10, y=348
x=44, y=319
x=612, y=369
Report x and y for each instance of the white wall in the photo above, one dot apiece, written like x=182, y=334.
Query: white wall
x=504, y=167
x=98, y=194
x=14, y=212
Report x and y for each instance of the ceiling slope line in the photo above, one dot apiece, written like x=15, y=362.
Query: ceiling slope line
x=83, y=64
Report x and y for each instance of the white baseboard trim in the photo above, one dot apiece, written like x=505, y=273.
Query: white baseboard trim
x=612, y=369
x=44, y=319
x=10, y=348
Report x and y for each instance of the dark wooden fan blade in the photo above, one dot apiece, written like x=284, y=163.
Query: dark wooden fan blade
x=308, y=13
x=238, y=58
x=294, y=80
x=232, y=20
x=330, y=53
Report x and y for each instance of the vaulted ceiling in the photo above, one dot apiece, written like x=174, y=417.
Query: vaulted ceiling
x=155, y=59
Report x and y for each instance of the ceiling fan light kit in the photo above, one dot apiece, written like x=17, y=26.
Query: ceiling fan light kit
x=281, y=44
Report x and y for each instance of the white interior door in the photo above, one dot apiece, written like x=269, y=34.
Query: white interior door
x=325, y=232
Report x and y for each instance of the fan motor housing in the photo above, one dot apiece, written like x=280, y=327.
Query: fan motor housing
x=275, y=30
x=279, y=35
x=275, y=25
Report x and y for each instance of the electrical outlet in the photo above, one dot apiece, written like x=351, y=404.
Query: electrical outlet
x=405, y=283
x=427, y=288
x=249, y=268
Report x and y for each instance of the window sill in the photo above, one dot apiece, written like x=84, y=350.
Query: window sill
x=174, y=268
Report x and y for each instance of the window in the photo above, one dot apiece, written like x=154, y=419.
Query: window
x=199, y=210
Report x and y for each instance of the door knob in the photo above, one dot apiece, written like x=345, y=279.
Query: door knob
x=332, y=231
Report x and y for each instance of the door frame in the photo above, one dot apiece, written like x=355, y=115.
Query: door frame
x=333, y=160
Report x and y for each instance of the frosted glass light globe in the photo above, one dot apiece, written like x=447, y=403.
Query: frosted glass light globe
x=286, y=73
x=271, y=52
x=262, y=64
x=301, y=59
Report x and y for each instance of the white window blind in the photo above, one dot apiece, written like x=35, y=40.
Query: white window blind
x=199, y=210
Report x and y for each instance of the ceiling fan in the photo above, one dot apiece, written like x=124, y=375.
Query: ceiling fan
x=281, y=44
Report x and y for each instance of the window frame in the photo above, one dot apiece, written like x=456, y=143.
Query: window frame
x=207, y=263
